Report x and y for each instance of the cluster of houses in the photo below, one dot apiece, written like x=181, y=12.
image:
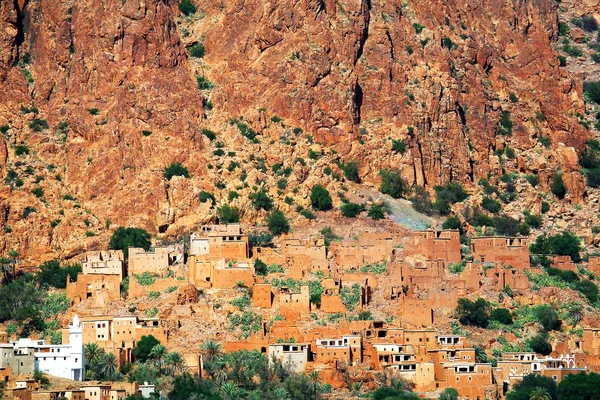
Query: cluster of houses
x=417, y=276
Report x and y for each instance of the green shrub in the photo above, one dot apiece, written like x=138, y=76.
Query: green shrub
x=245, y=130
x=320, y=198
x=21, y=150
x=535, y=221
x=376, y=212
x=505, y=124
x=532, y=179
x=38, y=192
x=313, y=155
x=261, y=200
x=558, y=187
x=228, y=214
x=562, y=244
x=392, y=183
x=28, y=211
x=563, y=28
x=447, y=195
x=589, y=23
x=51, y=273
x=176, y=169
x=474, y=313
x=505, y=225
x=282, y=184
x=197, y=50
x=260, y=267
x=308, y=214
x=448, y=43
x=545, y=141
x=145, y=279
x=153, y=295
x=452, y=223
x=398, y=146
x=540, y=345
x=547, y=317
x=123, y=238
x=482, y=220
x=186, y=7
x=456, y=268
x=591, y=89
x=502, y=315
x=351, y=171
x=562, y=61
x=588, y=289
x=545, y=207
x=205, y=196
x=209, y=134
x=421, y=201
x=350, y=296
x=571, y=50
x=418, y=28
x=203, y=83
x=491, y=205
x=38, y=125
x=351, y=210
x=93, y=111
x=278, y=223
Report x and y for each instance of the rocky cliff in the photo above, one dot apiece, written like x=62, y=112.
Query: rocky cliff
x=97, y=98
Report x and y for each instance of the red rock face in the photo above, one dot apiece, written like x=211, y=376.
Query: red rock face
x=335, y=67
x=101, y=72
x=353, y=74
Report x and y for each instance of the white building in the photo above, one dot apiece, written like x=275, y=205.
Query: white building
x=62, y=360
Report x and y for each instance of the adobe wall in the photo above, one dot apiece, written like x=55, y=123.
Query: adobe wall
x=594, y=264
x=98, y=288
x=262, y=296
x=332, y=304
x=228, y=278
x=433, y=245
x=501, y=250
x=155, y=261
x=416, y=312
x=563, y=263
x=472, y=385
x=109, y=262
x=293, y=306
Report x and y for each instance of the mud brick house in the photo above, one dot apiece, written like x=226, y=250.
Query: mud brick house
x=434, y=245
x=367, y=249
x=594, y=264
x=220, y=241
x=305, y=255
x=591, y=341
x=207, y=272
x=119, y=334
x=345, y=350
x=94, y=287
x=563, y=263
x=154, y=261
x=512, y=251
x=331, y=301
x=513, y=367
x=471, y=380
x=294, y=305
x=293, y=355
x=262, y=295
x=108, y=262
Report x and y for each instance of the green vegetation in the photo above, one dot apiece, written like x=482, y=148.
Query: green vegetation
x=392, y=183
x=186, y=7
x=351, y=296
x=475, y=313
x=145, y=279
x=176, y=169
x=197, y=50
x=502, y=315
x=38, y=125
x=351, y=171
x=261, y=200
x=505, y=124
x=558, y=187
x=591, y=90
x=203, y=83
x=52, y=274
x=245, y=130
x=123, y=238
x=228, y=214
x=447, y=195
x=398, y=146
x=376, y=212
x=351, y=210
x=205, y=196
x=491, y=205
x=562, y=244
x=278, y=223
x=320, y=198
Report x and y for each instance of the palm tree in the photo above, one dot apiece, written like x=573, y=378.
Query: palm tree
x=158, y=354
x=314, y=384
x=231, y=391
x=540, y=393
x=92, y=352
x=281, y=394
x=108, y=366
x=220, y=376
x=211, y=350
x=174, y=362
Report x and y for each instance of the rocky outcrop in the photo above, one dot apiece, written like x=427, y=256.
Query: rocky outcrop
x=103, y=97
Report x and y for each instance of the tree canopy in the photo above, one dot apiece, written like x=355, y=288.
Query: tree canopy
x=123, y=238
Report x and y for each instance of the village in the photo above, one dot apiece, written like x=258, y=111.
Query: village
x=347, y=309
